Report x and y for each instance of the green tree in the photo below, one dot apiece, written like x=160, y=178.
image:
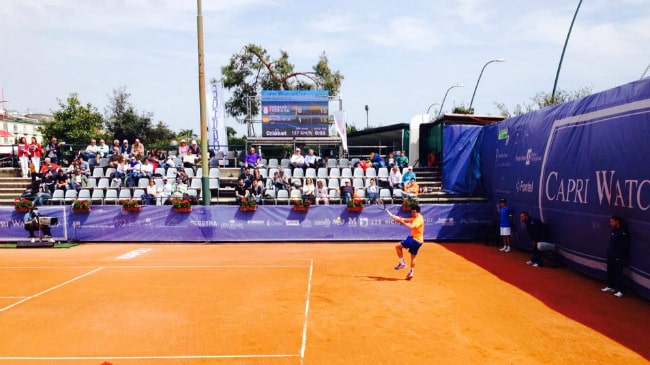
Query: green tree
x=542, y=100
x=161, y=135
x=123, y=121
x=253, y=70
x=233, y=141
x=74, y=123
x=186, y=134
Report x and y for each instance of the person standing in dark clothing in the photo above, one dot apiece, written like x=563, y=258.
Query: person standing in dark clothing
x=537, y=232
x=618, y=251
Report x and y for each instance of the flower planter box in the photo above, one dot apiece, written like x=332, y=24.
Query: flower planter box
x=22, y=209
x=81, y=210
x=300, y=208
x=132, y=209
x=406, y=208
x=183, y=210
x=355, y=209
x=248, y=208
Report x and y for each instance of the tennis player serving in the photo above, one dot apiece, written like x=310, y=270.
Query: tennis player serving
x=412, y=242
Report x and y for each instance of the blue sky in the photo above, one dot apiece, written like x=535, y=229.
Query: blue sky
x=397, y=57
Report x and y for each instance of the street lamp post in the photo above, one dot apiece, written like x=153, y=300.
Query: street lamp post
x=443, y=99
x=479, y=79
x=429, y=108
x=566, y=41
x=367, y=116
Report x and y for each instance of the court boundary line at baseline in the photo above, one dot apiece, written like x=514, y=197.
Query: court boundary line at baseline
x=170, y=357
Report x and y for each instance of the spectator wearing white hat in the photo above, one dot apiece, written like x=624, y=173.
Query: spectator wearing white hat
x=408, y=175
x=195, y=148
x=164, y=191
x=297, y=159
x=183, y=148
x=125, y=149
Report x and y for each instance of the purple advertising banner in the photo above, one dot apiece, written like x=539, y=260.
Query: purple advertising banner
x=457, y=222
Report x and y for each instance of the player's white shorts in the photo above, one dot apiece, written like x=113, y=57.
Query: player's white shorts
x=505, y=231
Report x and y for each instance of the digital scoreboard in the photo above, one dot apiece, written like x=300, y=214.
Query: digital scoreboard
x=295, y=113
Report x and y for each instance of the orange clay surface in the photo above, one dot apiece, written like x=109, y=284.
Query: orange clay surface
x=283, y=304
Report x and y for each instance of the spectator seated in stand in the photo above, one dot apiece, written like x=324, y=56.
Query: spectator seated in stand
x=91, y=151
x=257, y=191
x=347, y=191
x=247, y=177
x=408, y=176
x=401, y=159
x=150, y=197
x=35, y=192
x=241, y=191
x=164, y=191
x=311, y=160
x=78, y=180
x=395, y=179
x=309, y=191
x=252, y=159
x=137, y=149
x=61, y=180
x=278, y=183
x=322, y=196
x=297, y=159
x=190, y=160
x=372, y=191
x=411, y=190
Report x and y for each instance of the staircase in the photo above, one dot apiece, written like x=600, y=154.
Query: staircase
x=11, y=185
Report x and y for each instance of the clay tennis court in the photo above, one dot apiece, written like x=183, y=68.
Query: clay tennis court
x=290, y=304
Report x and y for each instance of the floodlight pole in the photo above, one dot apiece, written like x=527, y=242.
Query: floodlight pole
x=205, y=179
x=559, y=66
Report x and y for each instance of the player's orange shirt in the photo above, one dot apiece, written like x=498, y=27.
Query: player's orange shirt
x=417, y=232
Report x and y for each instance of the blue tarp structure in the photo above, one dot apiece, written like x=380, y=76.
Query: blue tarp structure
x=574, y=165
x=461, y=165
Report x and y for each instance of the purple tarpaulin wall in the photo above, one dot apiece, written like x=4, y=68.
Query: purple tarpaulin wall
x=268, y=223
x=574, y=165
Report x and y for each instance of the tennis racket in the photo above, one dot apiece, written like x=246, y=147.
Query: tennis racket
x=380, y=204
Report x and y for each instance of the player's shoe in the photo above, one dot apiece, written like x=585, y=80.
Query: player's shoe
x=409, y=276
x=507, y=249
x=529, y=262
x=608, y=289
x=503, y=248
x=618, y=294
x=400, y=266
x=33, y=240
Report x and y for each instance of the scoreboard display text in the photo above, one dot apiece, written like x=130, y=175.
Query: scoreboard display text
x=295, y=113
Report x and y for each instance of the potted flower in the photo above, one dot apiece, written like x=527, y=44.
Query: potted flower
x=130, y=205
x=81, y=206
x=22, y=205
x=248, y=205
x=182, y=205
x=355, y=205
x=407, y=204
x=300, y=205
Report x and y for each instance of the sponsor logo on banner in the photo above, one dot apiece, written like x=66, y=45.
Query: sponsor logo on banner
x=446, y=221
x=322, y=223
x=579, y=173
x=254, y=222
x=530, y=157
x=525, y=186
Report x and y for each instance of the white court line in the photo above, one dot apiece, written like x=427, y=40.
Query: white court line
x=50, y=289
x=70, y=358
x=25, y=358
x=160, y=267
x=304, y=327
x=12, y=297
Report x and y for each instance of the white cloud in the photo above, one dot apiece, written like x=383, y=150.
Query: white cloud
x=407, y=33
